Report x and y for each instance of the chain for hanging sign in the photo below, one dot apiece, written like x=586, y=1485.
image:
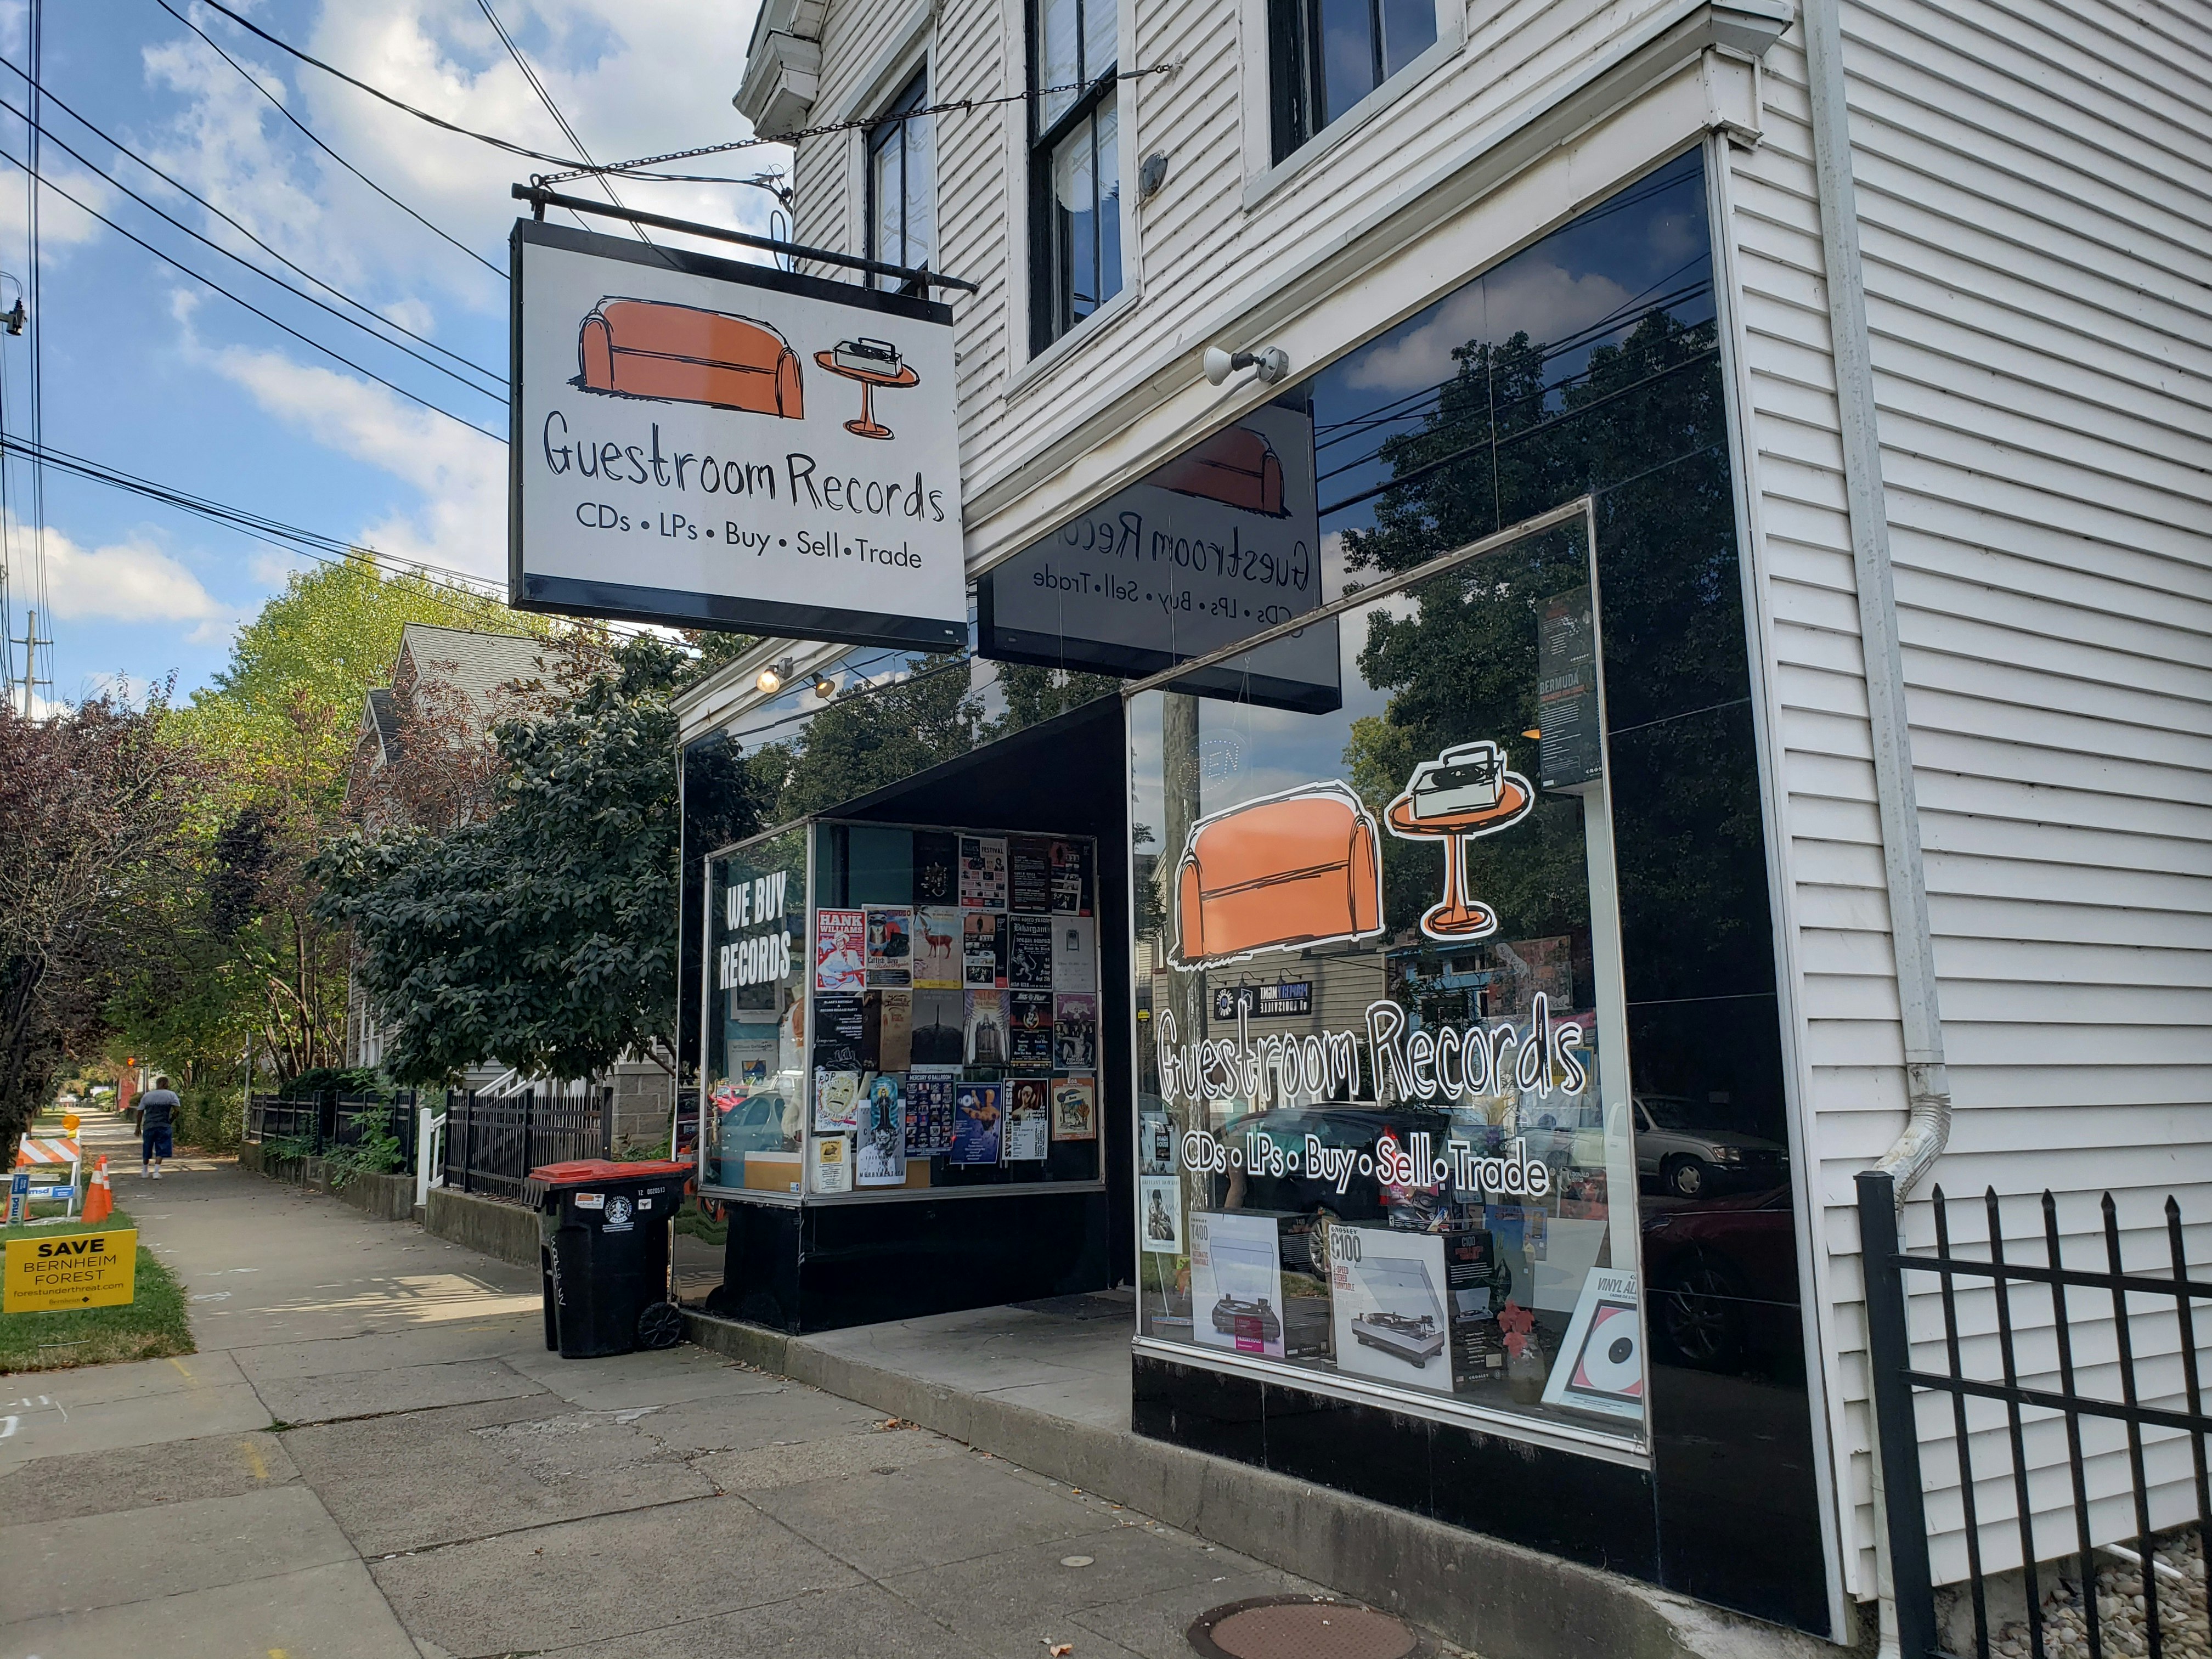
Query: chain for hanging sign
x=630, y=168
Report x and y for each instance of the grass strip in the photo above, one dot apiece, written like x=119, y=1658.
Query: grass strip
x=152, y=1327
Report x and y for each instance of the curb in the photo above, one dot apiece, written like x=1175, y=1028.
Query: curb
x=1502, y=1600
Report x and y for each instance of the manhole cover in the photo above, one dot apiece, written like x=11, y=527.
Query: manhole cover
x=1300, y=1627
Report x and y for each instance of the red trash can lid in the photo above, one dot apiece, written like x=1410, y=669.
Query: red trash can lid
x=592, y=1172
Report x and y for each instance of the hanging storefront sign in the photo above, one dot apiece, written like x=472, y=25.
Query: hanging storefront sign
x=1218, y=544
x=704, y=443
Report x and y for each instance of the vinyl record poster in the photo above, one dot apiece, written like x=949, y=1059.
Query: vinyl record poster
x=1600, y=1366
x=929, y=1112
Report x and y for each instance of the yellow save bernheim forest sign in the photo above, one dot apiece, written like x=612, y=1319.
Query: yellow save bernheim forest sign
x=84, y=1270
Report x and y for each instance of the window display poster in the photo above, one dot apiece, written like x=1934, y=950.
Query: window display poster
x=1075, y=1032
x=937, y=943
x=986, y=1027
x=890, y=947
x=839, y=1032
x=1030, y=874
x=887, y=1031
x=836, y=1100
x=929, y=1113
x=940, y=1027
x=977, y=1131
x=753, y=1059
x=1236, y=1283
x=1029, y=953
x=880, y=1159
x=1075, y=1109
x=1074, y=953
x=829, y=1164
x=983, y=947
x=1386, y=1296
x=1028, y=1119
x=1160, y=1213
x=936, y=868
x=1600, y=1367
x=983, y=873
x=1071, y=879
x=1030, y=1034
x=840, y=961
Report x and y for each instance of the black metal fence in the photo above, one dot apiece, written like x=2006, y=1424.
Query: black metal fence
x=2070, y=1605
x=329, y=1120
x=493, y=1142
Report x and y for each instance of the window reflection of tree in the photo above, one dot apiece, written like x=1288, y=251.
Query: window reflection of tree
x=1643, y=428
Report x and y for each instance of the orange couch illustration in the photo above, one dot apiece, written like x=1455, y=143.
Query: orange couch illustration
x=1274, y=874
x=682, y=353
x=1237, y=466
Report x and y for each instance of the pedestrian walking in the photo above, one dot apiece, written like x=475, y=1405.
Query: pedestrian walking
x=157, y=1115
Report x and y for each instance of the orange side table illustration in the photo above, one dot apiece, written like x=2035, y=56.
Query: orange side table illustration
x=1462, y=793
x=873, y=363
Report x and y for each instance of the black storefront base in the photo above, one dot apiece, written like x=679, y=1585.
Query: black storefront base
x=1727, y=1519
x=829, y=1266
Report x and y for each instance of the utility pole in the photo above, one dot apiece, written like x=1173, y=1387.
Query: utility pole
x=30, y=644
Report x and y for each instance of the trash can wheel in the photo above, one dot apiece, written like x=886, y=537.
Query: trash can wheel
x=659, y=1325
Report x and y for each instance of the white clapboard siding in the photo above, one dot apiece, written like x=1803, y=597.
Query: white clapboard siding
x=2035, y=203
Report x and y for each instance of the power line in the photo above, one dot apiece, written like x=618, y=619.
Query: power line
x=248, y=76
x=177, y=184
x=38, y=373
x=560, y=120
x=247, y=304
x=228, y=253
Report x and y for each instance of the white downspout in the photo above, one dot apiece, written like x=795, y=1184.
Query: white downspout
x=1927, y=1082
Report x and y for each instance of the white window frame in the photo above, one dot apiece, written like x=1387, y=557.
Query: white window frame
x=909, y=48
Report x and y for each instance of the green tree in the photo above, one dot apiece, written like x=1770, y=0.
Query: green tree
x=237, y=949
x=541, y=937
x=865, y=739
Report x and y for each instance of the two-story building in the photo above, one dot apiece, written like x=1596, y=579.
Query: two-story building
x=1657, y=553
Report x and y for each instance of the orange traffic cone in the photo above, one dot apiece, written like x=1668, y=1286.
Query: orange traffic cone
x=99, y=1196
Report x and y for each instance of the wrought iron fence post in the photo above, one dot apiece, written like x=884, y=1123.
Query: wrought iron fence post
x=529, y=1114
x=468, y=1143
x=1897, y=1442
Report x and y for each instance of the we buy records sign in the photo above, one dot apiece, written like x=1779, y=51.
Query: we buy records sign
x=707, y=444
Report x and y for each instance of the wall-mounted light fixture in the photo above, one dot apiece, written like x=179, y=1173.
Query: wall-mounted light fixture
x=1151, y=175
x=770, y=679
x=1269, y=363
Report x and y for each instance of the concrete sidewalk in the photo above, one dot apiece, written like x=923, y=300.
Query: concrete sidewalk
x=374, y=1455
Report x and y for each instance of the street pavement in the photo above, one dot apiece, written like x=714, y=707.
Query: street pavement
x=373, y=1456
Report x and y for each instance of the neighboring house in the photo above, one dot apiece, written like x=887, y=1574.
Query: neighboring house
x=1950, y=258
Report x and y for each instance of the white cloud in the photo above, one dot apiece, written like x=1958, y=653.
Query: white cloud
x=131, y=581
x=1545, y=300
x=461, y=475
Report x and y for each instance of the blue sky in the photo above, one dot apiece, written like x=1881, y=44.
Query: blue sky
x=150, y=372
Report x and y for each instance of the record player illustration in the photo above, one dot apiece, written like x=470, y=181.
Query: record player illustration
x=1231, y=1316
x=873, y=363
x=1465, y=791
x=1407, y=1319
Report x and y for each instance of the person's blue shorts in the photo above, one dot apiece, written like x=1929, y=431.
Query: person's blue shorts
x=155, y=1142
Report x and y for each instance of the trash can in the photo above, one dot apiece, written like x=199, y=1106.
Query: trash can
x=603, y=1232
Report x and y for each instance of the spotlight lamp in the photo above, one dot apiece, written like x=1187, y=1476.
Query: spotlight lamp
x=771, y=679
x=824, y=686
x=1270, y=363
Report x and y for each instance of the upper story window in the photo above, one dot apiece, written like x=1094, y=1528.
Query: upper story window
x=902, y=184
x=1075, y=171
x=1330, y=54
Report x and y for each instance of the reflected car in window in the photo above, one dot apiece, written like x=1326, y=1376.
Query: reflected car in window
x=1689, y=1161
